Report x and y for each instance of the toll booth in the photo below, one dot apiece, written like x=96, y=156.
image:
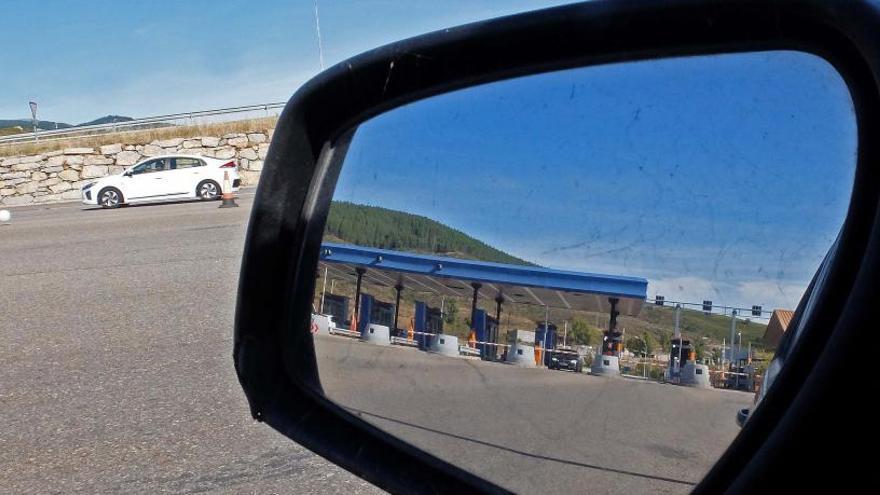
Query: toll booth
x=545, y=339
x=375, y=311
x=486, y=329
x=337, y=307
x=428, y=320
x=687, y=354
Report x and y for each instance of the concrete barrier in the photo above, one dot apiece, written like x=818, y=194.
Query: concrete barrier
x=521, y=355
x=444, y=344
x=321, y=324
x=695, y=375
x=377, y=334
x=605, y=365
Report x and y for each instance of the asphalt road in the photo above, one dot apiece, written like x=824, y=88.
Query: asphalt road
x=535, y=430
x=116, y=331
x=117, y=378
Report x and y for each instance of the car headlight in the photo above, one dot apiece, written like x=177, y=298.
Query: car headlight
x=88, y=186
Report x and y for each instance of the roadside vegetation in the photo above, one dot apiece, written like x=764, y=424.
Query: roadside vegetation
x=138, y=136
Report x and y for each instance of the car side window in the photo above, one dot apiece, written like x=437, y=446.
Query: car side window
x=142, y=168
x=158, y=165
x=178, y=163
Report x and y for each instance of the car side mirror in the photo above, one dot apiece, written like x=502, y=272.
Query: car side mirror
x=742, y=416
x=127, y=174
x=434, y=441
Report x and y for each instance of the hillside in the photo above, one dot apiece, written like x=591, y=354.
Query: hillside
x=28, y=126
x=389, y=229
x=16, y=126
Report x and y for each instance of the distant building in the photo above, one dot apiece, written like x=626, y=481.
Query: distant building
x=776, y=327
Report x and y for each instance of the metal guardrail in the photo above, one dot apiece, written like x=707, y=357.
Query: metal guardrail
x=170, y=119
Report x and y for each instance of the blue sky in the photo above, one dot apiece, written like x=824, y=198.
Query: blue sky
x=722, y=178
x=84, y=59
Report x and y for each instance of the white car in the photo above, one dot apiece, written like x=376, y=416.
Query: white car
x=162, y=178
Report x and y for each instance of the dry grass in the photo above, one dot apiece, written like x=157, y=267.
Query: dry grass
x=8, y=131
x=140, y=136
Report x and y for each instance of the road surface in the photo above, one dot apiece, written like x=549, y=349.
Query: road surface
x=535, y=430
x=117, y=358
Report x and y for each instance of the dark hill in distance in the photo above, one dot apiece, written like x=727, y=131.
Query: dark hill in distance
x=390, y=229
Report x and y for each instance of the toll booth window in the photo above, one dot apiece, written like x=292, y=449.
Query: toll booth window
x=435, y=321
x=699, y=371
x=519, y=351
x=606, y=362
x=337, y=307
x=382, y=313
x=442, y=341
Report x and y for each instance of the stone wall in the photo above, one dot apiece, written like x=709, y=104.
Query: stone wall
x=58, y=175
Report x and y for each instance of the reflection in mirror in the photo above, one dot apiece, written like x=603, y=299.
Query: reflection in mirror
x=573, y=281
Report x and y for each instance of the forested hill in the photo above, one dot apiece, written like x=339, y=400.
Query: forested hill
x=389, y=229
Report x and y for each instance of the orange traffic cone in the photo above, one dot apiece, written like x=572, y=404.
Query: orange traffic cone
x=228, y=198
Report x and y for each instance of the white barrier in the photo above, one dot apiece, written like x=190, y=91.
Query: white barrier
x=695, y=375
x=377, y=334
x=605, y=365
x=521, y=355
x=444, y=344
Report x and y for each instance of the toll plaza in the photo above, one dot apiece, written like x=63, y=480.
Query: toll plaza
x=370, y=271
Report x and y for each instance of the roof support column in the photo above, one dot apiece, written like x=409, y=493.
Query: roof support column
x=612, y=323
x=476, y=286
x=397, y=288
x=499, y=299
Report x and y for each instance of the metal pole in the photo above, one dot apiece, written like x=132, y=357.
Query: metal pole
x=546, y=331
x=357, y=295
x=738, y=352
x=732, y=333
x=677, y=315
x=318, y=32
x=324, y=289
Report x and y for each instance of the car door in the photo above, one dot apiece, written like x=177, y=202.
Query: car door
x=167, y=181
x=186, y=173
x=145, y=180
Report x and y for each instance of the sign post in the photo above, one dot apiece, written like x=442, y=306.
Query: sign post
x=33, y=106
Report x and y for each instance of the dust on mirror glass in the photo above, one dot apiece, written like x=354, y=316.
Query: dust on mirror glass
x=573, y=281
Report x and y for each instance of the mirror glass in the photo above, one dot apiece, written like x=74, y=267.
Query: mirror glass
x=573, y=281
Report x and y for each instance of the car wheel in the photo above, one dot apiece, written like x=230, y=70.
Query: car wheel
x=110, y=197
x=208, y=190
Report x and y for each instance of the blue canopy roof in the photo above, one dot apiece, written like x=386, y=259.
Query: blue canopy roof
x=514, y=283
